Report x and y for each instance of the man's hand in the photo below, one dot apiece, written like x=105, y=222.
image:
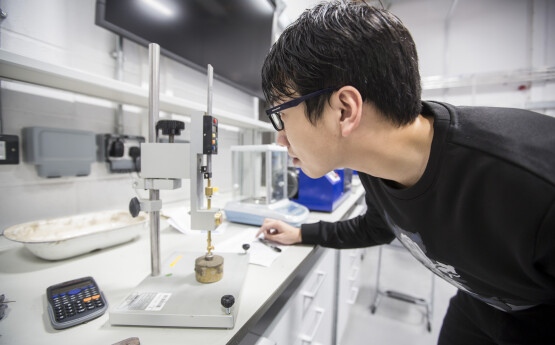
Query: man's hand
x=280, y=232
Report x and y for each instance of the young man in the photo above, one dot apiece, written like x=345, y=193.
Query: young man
x=469, y=191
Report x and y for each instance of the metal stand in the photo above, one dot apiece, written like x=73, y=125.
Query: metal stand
x=428, y=304
x=175, y=294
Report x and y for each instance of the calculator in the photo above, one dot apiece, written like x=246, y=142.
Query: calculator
x=74, y=302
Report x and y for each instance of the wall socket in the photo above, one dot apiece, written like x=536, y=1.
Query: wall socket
x=121, y=152
x=9, y=149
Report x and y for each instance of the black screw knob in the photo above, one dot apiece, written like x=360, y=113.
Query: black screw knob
x=134, y=207
x=170, y=127
x=246, y=247
x=228, y=301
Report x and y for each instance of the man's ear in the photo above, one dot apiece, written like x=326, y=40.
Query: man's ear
x=349, y=102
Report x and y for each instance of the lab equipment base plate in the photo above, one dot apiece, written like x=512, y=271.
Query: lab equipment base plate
x=176, y=299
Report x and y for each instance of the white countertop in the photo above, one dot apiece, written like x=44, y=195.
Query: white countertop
x=117, y=270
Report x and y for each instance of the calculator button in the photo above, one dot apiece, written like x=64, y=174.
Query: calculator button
x=89, y=307
x=74, y=292
x=96, y=297
x=87, y=299
x=60, y=317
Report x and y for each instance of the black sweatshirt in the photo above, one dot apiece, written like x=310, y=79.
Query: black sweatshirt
x=482, y=216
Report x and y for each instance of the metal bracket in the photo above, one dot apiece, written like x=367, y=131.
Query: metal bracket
x=150, y=205
x=152, y=183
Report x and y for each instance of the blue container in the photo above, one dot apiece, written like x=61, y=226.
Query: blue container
x=324, y=193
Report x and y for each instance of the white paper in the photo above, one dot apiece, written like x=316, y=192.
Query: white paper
x=260, y=254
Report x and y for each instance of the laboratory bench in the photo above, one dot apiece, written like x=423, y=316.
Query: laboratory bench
x=271, y=297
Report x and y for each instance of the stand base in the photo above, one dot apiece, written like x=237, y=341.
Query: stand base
x=176, y=299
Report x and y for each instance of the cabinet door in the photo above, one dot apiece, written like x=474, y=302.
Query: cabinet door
x=307, y=318
x=349, y=284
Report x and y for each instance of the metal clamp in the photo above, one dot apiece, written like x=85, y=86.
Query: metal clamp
x=160, y=184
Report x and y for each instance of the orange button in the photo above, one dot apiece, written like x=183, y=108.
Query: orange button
x=96, y=297
x=213, y=142
x=87, y=299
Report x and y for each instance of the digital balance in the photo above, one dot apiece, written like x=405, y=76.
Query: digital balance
x=259, y=175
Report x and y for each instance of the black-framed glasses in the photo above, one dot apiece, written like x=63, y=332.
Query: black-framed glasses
x=275, y=113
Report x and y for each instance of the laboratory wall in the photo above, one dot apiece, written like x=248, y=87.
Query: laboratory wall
x=484, y=52
x=63, y=32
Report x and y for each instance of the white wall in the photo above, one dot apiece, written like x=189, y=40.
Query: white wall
x=486, y=39
x=63, y=32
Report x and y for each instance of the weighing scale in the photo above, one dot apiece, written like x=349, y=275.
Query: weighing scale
x=259, y=177
x=189, y=289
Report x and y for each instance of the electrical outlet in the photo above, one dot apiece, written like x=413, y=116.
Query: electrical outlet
x=121, y=152
x=9, y=149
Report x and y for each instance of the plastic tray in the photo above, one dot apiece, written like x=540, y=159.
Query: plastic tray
x=62, y=238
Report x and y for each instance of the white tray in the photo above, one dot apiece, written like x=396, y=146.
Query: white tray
x=62, y=238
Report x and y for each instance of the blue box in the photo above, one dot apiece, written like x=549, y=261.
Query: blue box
x=324, y=193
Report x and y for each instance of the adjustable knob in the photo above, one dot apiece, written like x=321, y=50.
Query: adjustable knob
x=246, y=247
x=134, y=207
x=227, y=302
x=170, y=127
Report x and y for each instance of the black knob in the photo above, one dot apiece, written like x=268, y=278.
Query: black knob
x=228, y=301
x=170, y=127
x=246, y=247
x=134, y=207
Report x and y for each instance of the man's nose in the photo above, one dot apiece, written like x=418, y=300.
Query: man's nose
x=282, y=139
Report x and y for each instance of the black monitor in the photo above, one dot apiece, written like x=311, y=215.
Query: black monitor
x=233, y=36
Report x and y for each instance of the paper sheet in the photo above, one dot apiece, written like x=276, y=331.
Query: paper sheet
x=260, y=254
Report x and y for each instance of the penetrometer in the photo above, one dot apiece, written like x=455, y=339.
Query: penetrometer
x=187, y=289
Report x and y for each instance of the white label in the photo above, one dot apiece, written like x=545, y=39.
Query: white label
x=2, y=150
x=333, y=177
x=158, y=302
x=151, y=301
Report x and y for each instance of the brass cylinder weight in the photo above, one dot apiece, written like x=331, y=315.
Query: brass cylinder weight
x=209, y=268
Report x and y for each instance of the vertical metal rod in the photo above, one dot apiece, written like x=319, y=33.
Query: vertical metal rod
x=209, y=110
x=154, y=194
x=153, y=90
x=210, y=87
x=119, y=76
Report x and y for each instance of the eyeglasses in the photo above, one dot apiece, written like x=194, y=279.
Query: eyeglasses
x=275, y=113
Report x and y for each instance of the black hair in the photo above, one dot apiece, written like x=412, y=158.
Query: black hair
x=342, y=43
